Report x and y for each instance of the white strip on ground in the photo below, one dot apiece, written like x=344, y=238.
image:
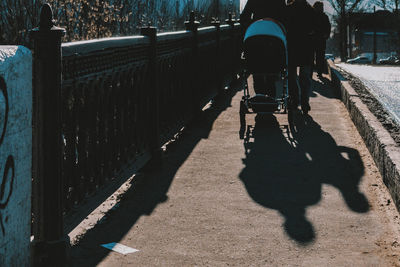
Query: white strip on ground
x=119, y=248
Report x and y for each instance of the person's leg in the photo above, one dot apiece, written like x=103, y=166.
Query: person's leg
x=259, y=84
x=320, y=57
x=293, y=87
x=305, y=87
x=314, y=65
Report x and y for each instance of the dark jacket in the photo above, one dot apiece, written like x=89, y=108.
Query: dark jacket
x=301, y=31
x=259, y=9
x=323, y=29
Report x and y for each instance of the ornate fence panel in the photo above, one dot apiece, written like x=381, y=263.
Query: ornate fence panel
x=208, y=64
x=174, y=71
x=231, y=41
x=118, y=101
x=107, y=99
x=105, y=108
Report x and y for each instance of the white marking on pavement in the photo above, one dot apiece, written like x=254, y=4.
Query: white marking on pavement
x=119, y=248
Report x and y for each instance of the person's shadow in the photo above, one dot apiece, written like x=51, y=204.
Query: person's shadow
x=286, y=167
x=323, y=87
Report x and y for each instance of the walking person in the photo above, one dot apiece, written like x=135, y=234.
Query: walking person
x=260, y=9
x=253, y=11
x=301, y=28
x=323, y=31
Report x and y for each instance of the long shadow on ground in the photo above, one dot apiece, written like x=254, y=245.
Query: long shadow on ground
x=142, y=198
x=287, y=165
x=323, y=87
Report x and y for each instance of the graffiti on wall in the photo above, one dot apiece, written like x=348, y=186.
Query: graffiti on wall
x=7, y=180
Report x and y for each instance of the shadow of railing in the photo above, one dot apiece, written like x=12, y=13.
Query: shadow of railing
x=143, y=197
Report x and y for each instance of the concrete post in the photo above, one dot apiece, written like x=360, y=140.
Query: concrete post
x=15, y=155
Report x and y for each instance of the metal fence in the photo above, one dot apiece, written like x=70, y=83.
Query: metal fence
x=118, y=101
x=123, y=98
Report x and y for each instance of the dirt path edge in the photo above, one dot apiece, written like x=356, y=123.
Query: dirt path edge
x=384, y=150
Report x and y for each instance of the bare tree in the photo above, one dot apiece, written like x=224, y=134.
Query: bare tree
x=88, y=19
x=391, y=5
x=16, y=18
x=343, y=8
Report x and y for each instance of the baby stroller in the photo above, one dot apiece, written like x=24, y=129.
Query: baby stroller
x=265, y=57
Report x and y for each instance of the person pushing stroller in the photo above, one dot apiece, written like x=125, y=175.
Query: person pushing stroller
x=255, y=10
x=299, y=19
x=302, y=24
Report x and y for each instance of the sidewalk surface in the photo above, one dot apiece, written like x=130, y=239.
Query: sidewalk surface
x=306, y=194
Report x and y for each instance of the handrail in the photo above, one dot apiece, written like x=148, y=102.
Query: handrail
x=96, y=45
x=91, y=46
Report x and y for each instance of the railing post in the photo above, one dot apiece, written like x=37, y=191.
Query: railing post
x=234, y=57
x=50, y=243
x=154, y=98
x=219, y=77
x=230, y=21
x=193, y=25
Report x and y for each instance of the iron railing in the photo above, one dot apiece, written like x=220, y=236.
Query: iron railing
x=116, y=101
x=109, y=101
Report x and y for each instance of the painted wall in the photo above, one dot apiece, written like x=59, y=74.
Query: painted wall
x=15, y=155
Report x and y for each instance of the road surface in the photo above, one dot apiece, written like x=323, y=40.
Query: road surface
x=382, y=81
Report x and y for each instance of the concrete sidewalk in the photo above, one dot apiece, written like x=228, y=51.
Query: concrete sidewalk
x=306, y=194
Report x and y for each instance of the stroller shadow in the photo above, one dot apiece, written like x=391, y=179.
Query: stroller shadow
x=285, y=167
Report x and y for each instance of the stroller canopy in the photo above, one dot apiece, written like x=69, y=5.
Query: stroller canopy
x=267, y=27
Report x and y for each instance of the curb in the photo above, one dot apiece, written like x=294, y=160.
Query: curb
x=384, y=150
